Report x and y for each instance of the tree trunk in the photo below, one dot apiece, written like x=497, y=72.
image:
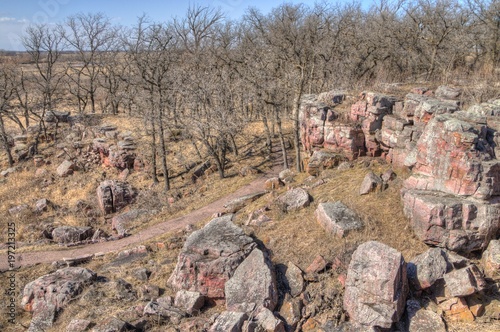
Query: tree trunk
x=163, y=153
x=153, y=151
x=296, y=129
x=5, y=142
x=269, y=141
x=282, y=140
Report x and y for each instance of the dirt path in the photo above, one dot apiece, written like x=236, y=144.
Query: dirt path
x=31, y=258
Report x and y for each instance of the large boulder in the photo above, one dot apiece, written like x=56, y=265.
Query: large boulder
x=210, y=256
x=337, y=219
x=376, y=287
x=71, y=234
x=229, y=321
x=452, y=222
x=253, y=284
x=114, y=195
x=465, y=281
x=47, y=295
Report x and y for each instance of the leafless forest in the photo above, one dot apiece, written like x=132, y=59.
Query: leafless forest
x=204, y=77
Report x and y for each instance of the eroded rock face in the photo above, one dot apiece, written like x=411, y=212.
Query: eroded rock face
x=114, y=195
x=454, y=157
x=452, y=222
x=253, y=284
x=47, y=295
x=376, y=285
x=210, y=256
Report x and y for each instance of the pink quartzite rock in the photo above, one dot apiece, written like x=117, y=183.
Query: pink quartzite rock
x=190, y=302
x=320, y=128
x=322, y=159
x=465, y=281
x=337, y=219
x=121, y=223
x=47, y=295
x=426, y=268
x=253, y=284
x=294, y=199
x=376, y=285
x=65, y=168
x=454, y=157
x=229, y=321
x=71, y=234
x=210, y=256
x=370, y=183
x=452, y=222
x=491, y=260
x=114, y=195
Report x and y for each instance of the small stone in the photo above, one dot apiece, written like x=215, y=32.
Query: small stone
x=294, y=199
x=318, y=265
x=190, y=302
x=78, y=325
x=370, y=183
x=229, y=321
x=66, y=168
x=273, y=184
x=295, y=280
x=149, y=292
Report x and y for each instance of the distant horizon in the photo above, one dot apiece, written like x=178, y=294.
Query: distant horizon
x=14, y=19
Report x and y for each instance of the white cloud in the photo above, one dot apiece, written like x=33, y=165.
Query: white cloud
x=7, y=19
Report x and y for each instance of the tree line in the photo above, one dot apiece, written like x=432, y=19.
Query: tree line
x=207, y=76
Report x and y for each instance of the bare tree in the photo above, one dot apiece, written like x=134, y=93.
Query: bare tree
x=6, y=97
x=44, y=47
x=90, y=35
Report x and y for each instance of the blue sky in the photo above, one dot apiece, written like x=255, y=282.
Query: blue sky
x=15, y=16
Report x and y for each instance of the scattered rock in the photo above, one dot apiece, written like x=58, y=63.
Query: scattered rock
x=294, y=279
x=376, y=285
x=337, y=219
x=149, y=292
x=291, y=312
x=426, y=321
x=160, y=309
x=321, y=160
x=190, y=302
x=319, y=264
x=229, y=321
x=268, y=322
x=71, y=234
x=249, y=170
x=113, y=324
x=293, y=200
x=41, y=205
x=121, y=223
x=8, y=171
x=253, y=284
x=66, y=168
x=78, y=325
x=19, y=210
x=456, y=310
x=447, y=93
x=273, y=184
x=240, y=202
x=210, y=256
x=388, y=175
x=370, y=183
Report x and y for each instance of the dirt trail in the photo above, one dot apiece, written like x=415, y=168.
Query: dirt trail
x=31, y=258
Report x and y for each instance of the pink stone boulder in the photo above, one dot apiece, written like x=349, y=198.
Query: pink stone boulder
x=376, y=287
